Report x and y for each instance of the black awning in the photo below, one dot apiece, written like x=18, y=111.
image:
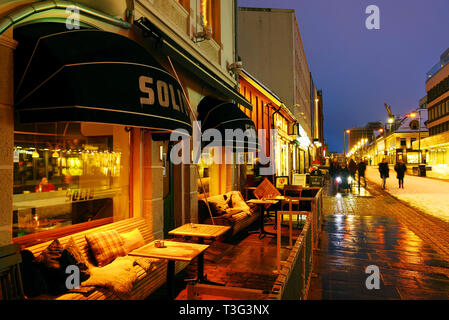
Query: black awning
x=98, y=76
x=225, y=117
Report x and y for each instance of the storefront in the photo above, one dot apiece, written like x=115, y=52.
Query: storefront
x=229, y=144
x=283, y=148
x=436, y=154
x=91, y=107
x=93, y=115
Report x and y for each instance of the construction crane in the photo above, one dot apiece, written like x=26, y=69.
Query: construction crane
x=390, y=115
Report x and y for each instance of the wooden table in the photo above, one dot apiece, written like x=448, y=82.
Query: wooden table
x=173, y=251
x=261, y=203
x=202, y=231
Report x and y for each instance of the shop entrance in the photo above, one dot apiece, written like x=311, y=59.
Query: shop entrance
x=173, y=209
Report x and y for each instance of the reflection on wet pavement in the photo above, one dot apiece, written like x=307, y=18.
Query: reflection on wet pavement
x=409, y=268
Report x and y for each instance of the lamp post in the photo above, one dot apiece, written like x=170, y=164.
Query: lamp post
x=344, y=140
x=413, y=115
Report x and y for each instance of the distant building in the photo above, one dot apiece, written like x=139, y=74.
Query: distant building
x=357, y=134
x=399, y=143
x=270, y=46
x=437, y=103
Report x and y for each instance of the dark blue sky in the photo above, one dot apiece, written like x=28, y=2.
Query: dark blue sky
x=360, y=69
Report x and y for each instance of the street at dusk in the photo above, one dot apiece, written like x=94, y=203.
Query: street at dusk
x=183, y=153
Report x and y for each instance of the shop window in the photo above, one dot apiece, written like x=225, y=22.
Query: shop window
x=403, y=142
x=67, y=174
x=210, y=17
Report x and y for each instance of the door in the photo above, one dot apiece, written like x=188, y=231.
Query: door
x=169, y=216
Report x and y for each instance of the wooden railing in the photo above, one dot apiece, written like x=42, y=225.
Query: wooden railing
x=294, y=277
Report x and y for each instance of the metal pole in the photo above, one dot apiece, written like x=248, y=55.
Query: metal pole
x=419, y=136
x=344, y=142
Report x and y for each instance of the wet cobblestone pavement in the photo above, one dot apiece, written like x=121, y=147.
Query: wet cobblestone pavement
x=373, y=228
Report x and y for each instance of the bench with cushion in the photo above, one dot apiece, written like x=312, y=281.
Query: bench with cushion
x=227, y=209
x=146, y=283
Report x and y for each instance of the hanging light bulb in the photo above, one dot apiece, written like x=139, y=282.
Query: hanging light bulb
x=55, y=154
x=35, y=154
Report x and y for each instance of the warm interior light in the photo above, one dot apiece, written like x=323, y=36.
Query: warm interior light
x=35, y=154
x=204, y=12
x=55, y=154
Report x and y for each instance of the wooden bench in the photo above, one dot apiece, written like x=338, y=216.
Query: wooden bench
x=236, y=226
x=10, y=279
x=146, y=283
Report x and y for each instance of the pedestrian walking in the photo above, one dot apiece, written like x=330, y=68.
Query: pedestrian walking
x=352, y=166
x=361, y=169
x=334, y=169
x=344, y=175
x=384, y=171
x=400, y=169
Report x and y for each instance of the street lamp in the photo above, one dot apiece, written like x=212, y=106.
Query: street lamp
x=413, y=115
x=344, y=140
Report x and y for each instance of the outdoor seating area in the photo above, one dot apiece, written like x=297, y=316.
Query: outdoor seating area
x=113, y=275
x=275, y=266
x=251, y=252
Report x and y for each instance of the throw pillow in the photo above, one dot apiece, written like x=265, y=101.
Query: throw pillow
x=106, y=246
x=233, y=210
x=132, y=240
x=218, y=208
x=72, y=255
x=51, y=256
x=238, y=202
x=50, y=267
x=32, y=278
x=118, y=276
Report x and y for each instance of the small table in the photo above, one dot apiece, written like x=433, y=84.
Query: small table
x=261, y=204
x=202, y=231
x=172, y=251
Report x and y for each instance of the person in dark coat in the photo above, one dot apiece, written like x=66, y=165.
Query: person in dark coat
x=334, y=168
x=344, y=175
x=384, y=171
x=400, y=169
x=352, y=166
x=361, y=168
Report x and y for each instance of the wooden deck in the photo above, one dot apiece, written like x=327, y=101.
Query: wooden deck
x=245, y=262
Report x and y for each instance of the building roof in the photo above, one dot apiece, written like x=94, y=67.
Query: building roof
x=404, y=123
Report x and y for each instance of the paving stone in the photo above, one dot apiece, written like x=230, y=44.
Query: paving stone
x=410, y=249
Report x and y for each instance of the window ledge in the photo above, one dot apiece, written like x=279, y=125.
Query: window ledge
x=36, y=238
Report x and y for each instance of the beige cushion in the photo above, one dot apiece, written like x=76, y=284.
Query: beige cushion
x=132, y=240
x=233, y=210
x=237, y=201
x=218, y=205
x=118, y=276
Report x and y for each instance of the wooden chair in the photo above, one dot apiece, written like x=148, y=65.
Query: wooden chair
x=290, y=212
x=10, y=278
x=293, y=193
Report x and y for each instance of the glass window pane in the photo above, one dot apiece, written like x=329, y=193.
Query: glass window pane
x=68, y=173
